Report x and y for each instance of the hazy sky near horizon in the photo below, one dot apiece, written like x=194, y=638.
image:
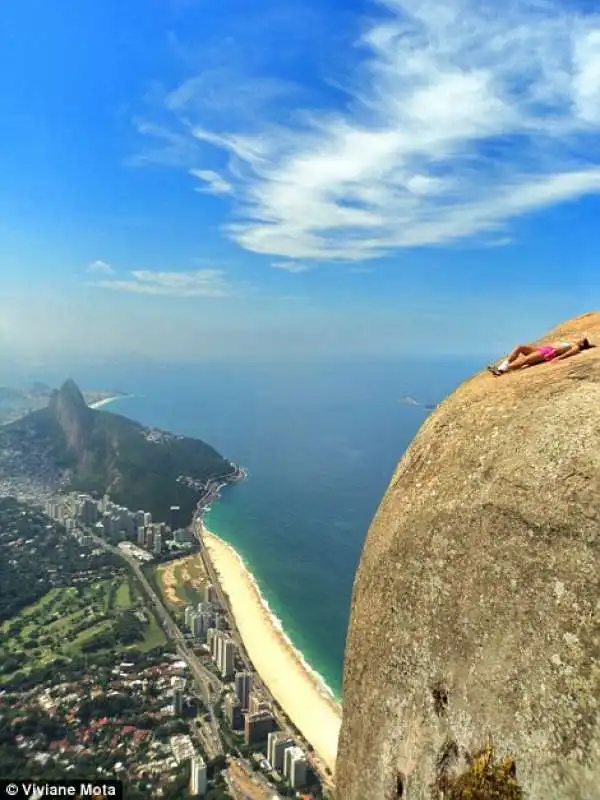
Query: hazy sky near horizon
x=187, y=179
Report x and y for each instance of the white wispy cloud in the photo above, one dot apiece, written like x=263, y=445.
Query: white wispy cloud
x=172, y=149
x=290, y=266
x=502, y=241
x=213, y=182
x=200, y=283
x=461, y=118
x=100, y=268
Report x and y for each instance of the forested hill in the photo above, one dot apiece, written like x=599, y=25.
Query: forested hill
x=102, y=452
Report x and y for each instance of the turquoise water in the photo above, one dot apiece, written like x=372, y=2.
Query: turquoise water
x=320, y=443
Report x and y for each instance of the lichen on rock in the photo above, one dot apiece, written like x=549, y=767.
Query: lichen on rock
x=475, y=609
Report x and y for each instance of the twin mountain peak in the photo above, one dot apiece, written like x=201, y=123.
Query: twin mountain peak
x=97, y=452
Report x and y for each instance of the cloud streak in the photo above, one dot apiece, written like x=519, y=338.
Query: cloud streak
x=461, y=119
x=100, y=268
x=213, y=182
x=290, y=266
x=201, y=283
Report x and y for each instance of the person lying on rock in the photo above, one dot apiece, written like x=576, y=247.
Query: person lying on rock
x=526, y=355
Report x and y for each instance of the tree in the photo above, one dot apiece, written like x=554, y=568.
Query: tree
x=215, y=766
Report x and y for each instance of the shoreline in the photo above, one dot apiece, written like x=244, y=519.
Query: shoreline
x=277, y=623
x=107, y=400
x=300, y=690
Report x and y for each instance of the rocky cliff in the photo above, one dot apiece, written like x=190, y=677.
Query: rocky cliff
x=89, y=450
x=73, y=415
x=476, y=607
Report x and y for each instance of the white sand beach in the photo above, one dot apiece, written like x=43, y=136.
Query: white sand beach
x=105, y=402
x=295, y=687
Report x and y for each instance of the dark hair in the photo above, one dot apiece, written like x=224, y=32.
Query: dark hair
x=585, y=344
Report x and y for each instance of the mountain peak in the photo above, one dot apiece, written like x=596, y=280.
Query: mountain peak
x=72, y=413
x=69, y=396
x=71, y=390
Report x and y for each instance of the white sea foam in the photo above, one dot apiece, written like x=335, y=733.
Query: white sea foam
x=315, y=676
x=107, y=400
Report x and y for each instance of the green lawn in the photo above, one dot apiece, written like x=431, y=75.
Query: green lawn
x=62, y=621
x=62, y=624
x=123, y=595
x=74, y=646
x=154, y=636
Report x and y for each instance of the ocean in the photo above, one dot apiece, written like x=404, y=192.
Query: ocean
x=320, y=442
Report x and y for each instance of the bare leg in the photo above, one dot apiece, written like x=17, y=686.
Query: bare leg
x=529, y=360
x=522, y=356
x=521, y=350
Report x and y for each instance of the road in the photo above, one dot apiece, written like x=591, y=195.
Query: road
x=245, y=784
x=318, y=766
x=207, y=682
x=221, y=597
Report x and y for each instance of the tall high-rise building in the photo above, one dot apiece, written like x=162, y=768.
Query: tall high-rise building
x=182, y=536
x=219, y=648
x=233, y=712
x=243, y=687
x=295, y=767
x=88, y=510
x=204, y=622
x=211, y=639
x=278, y=743
x=198, y=776
x=197, y=626
x=141, y=535
x=124, y=521
x=208, y=622
x=256, y=704
x=220, y=621
x=227, y=662
x=147, y=519
x=157, y=549
x=210, y=593
x=173, y=516
x=149, y=539
x=258, y=726
x=188, y=615
x=177, y=701
x=178, y=685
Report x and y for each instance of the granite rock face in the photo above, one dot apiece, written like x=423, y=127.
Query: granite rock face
x=73, y=415
x=476, y=606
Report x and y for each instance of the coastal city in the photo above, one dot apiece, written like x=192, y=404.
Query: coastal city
x=189, y=705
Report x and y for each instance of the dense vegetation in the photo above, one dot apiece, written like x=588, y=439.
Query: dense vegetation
x=61, y=601
x=36, y=556
x=107, y=452
x=143, y=473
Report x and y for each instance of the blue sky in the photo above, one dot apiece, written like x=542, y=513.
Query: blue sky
x=192, y=179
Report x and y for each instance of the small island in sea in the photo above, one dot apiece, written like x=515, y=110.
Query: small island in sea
x=407, y=400
x=69, y=445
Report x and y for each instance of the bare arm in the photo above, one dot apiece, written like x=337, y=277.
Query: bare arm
x=572, y=351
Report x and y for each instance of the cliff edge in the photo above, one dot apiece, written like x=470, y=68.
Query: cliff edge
x=476, y=607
